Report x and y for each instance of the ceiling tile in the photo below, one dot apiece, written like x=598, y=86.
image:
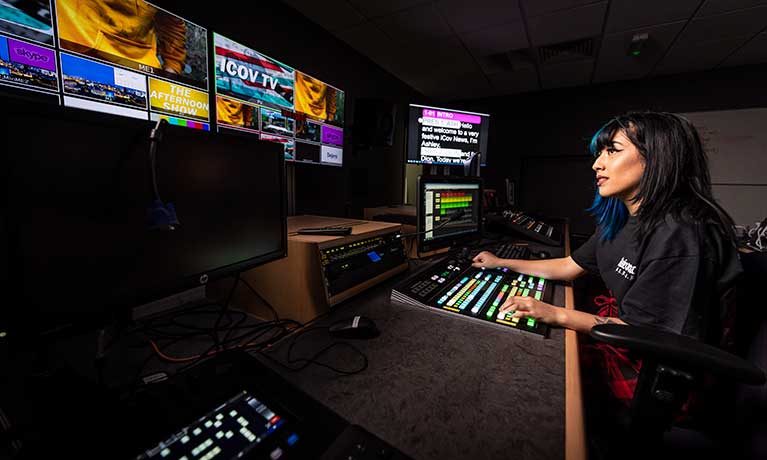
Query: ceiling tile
x=445, y=54
x=735, y=24
x=562, y=26
x=370, y=41
x=630, y=14
x=496, y=39
x=522, y=80
x=506, y=62
x=691, y=57
x=723, y=6
x=614, y=63
x=466, y=16
x=567, y=74
x=373, y=9
x=331, y=15
x=753, y=52
x=538, y=7
x=415, y=24
x=467, y=85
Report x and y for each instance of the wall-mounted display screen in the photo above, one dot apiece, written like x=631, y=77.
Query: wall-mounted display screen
x=134, y=59
x=259, y=95
x=125, y=57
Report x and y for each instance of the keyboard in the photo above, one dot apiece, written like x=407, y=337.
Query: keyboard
x=525, y=226
x=506, y=250
x=512, y=251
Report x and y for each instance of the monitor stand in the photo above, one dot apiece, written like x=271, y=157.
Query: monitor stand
x=434, y=170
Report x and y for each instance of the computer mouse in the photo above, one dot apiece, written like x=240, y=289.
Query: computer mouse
x=544, y=255
x=357, y=327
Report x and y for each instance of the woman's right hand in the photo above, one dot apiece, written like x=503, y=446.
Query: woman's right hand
x=487, y=260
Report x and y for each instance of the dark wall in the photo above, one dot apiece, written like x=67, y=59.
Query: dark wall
x=540, y=139
x=278, y=31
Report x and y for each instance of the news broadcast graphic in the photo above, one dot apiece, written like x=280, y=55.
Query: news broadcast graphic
x=27, y=19
x=245, y=74
x=258, y=94
x=137, y=35
x=27, y=65
x=445, y=136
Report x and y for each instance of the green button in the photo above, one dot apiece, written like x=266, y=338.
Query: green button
x=531, y=322
x=526, y=292
x=538, y=295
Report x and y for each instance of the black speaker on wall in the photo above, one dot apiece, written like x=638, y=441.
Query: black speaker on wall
x=374, y=122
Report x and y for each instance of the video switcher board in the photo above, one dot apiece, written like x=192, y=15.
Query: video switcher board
x=453, y=287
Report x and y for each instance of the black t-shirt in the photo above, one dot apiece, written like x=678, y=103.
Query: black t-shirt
x=674, y=278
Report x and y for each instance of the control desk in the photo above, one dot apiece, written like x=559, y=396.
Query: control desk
x=442, y=387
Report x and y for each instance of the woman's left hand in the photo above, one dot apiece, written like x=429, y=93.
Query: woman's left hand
x=528, y=307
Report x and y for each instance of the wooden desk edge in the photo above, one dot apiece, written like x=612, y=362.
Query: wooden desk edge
x=575, y=433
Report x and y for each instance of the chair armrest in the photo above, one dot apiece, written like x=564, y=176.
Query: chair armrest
x=685, y=352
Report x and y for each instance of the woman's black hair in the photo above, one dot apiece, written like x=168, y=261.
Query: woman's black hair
x=675, y=181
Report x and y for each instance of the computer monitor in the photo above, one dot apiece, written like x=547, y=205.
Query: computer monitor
x=77, y=197
x=438, y=136
x=449, y=211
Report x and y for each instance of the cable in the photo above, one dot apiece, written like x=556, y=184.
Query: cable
x=225, y=308
x=313, y=359
x=276, y=316
x=155, y=136
x=458, y=214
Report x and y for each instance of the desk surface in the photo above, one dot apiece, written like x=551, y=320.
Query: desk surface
x=440, y=387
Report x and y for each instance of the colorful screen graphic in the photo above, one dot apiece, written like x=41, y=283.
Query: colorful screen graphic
x=258, y=94
x=27, y=19
x=248, y=75
x=446, y=136
x=27, y=65
x=136, y=35
x=124, y=57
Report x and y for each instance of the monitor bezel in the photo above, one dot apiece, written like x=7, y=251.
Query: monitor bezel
x=441, y=243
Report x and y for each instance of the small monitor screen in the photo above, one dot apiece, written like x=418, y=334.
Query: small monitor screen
x=449, y=210
x=440, y=136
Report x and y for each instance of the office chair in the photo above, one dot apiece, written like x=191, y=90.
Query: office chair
x=674, y=366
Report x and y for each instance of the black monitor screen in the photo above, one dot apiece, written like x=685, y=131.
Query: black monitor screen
x=445, y=136
x=78, y=193
x=449, y=210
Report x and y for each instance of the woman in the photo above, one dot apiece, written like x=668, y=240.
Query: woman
x=663, y=246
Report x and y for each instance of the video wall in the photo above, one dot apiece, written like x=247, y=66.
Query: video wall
x=265, y=97
x=131, y=58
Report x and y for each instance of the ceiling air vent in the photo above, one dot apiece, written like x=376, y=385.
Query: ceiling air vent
x=568, y=51
x=512, y=60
